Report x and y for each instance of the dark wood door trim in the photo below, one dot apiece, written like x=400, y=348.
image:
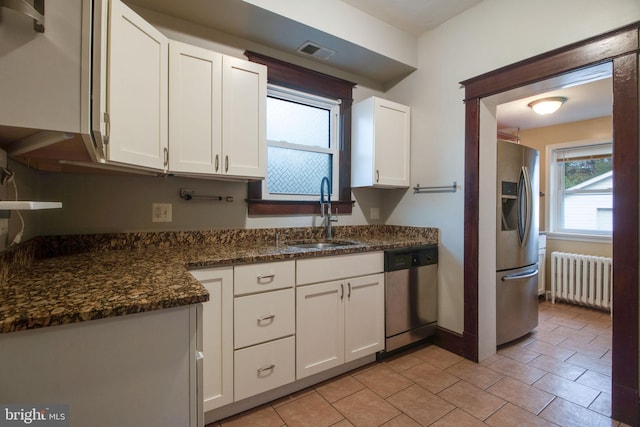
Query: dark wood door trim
x=619, y=47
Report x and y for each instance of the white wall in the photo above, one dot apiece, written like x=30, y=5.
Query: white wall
x=493, y=34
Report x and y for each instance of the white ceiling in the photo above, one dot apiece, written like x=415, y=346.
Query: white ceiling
x=413, y=16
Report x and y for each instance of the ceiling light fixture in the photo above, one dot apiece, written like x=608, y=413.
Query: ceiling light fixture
x=545, y=106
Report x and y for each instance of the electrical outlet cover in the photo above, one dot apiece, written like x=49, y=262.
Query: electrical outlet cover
x=161, y=212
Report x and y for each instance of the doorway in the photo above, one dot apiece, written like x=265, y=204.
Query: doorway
x=620, y=49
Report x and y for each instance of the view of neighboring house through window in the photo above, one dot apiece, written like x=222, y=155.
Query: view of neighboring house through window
x=581, y=183
x=302, y=139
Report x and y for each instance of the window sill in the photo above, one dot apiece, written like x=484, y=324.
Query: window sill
x=293, y=207
x=590, y=238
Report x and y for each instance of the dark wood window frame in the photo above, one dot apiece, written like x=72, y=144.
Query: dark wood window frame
x=621, y=49
x=295, y=77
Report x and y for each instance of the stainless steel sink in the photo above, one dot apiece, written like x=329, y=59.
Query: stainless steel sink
x=321, y=245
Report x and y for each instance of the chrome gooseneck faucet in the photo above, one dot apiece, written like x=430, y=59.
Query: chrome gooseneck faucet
x=327, y=203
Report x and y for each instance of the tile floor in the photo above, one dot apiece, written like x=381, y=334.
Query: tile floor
x=558, y=375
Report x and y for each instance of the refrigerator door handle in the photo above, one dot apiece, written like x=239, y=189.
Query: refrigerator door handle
x=518, y=276
x=524, y=206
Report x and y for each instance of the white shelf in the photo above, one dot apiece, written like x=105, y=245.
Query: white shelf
x=19, y=205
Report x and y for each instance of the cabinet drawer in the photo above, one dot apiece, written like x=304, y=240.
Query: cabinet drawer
x=264, y=367
x=329, y=268
x=263, y=317
x=263, y=277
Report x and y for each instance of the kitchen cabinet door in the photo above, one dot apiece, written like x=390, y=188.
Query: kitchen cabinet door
x=137, y=90
x=45, y=76
x=364, y=316
x=244, y=104
x=195, y=109
x=127, y=371
x=319, y=327
x=217, y=336
x=381, y=144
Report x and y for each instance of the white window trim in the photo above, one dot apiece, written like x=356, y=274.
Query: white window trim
x=317, y=101
x=551, y=221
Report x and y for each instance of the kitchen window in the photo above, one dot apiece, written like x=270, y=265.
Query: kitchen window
x=302, y=141
x=308, y=96
x=581, y=184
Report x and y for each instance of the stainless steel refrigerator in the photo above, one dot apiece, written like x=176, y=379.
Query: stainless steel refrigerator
x=516, y=241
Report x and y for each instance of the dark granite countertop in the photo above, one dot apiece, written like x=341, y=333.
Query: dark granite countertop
x=67, y=279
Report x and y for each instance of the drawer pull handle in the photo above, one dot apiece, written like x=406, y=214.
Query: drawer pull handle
x=266, y=368
x=265, y=318
x=265, y=277
x=341, y=291
x=349, y=290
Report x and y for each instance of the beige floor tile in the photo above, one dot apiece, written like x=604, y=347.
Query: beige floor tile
x=568, y=390
x=598, y=365
x=522, y=395
x=471, y=399
x=437, y=356
x=263, y=416
x=595, y=380
x=550, y=337
x=383, y=380
x=404, y=362
x=294, y=396
x=550, y=350
x=401, y=420
x=512, y=416
x=478, y=375
x=567, y=414
x=458, y=418
x=339, y=388
x=558, y=367
x=431, y=378
x=602, y=404
x=365, y=408
x=343, y=423
x=520, y=354
x=311, y=410
x=588, y=349
x=576, y=335
x=491, y=359
x=420, y=405
x=519, y=371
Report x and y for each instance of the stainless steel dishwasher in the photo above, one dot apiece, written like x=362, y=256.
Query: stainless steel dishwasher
x=411, y=295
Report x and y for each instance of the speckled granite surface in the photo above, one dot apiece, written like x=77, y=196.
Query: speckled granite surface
x=66, y=279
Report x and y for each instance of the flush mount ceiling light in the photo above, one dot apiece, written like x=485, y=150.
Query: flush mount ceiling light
x=545, y=106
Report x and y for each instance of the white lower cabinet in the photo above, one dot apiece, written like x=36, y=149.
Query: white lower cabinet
x=263, y=367
x=263, y=317
x=338, y=322
x=267, y=325
x=217, y=337
x=264, y=327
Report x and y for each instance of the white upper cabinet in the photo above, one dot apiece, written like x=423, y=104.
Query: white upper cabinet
x=381, y=144
x=135, y=114
x=216, y=113
x=195, y=109
x=43, y=82
x=244, y=111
